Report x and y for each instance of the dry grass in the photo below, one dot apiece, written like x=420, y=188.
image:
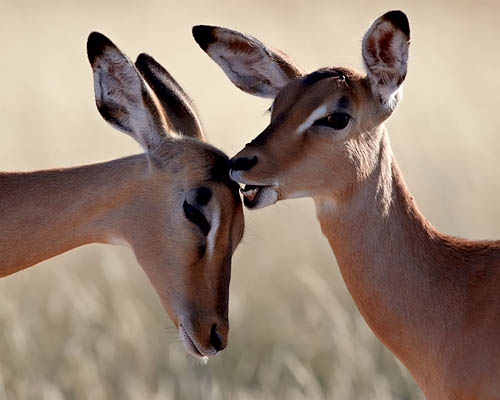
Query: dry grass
x=87, y=325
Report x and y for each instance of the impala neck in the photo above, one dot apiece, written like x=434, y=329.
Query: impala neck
x=46, y=213
x=388, y=254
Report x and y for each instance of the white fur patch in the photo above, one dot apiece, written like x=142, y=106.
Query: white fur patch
x=299, y=194
x=315, y=115
x=267, y=197
x=118, y=241
x=236, y=176
x=327, y=207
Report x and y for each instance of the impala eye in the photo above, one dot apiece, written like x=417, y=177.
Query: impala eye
x=335, y=121
x=196, y=217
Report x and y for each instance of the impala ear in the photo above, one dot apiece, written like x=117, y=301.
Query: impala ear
x=122, y=96
x=385, y=54
x=248, y=63
x=175, y=103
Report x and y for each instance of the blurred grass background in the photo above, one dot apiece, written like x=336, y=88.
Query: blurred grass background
x=87, y=324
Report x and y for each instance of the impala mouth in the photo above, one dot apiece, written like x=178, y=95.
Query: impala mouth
x=257, y=196
x=191, y=346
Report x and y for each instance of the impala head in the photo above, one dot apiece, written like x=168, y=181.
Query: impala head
x=186, y=216
x=325, y=126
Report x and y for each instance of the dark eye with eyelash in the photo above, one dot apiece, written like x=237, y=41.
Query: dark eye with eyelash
x=335, y=121
x=196, y=217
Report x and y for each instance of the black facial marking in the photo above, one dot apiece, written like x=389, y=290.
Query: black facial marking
x=323, y=73
x=202, y=248
x=220, y=170
x=220, y=173
x=203, y=196
x=243, y=164
x=196, y=217
x=344, y=102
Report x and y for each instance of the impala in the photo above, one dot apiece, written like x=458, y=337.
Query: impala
x=173, y=205
x=432, y=299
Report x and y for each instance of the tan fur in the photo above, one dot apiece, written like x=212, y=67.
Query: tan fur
x=432, y=299
x=137, y=201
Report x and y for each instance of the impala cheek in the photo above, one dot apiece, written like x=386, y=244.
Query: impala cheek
x=266, y=196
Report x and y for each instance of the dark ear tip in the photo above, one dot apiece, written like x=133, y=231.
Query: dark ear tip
x=96, y=44
x=204, y=35
x=398, y=19
x=143, y=59
x=145, y=63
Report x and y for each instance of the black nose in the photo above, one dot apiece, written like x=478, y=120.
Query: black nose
x=243, y=163
x=215, y=338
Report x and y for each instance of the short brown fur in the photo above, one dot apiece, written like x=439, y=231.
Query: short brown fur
x=138, y=201
x=432, y=299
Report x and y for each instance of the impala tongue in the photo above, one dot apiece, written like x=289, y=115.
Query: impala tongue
x=250, y=191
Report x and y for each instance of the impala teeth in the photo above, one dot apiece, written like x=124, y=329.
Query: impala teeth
x=250, y=194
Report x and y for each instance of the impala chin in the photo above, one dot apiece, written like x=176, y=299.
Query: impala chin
x=192, y=345
x=255, y=196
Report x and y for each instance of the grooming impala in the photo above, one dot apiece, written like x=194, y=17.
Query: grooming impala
x=174, y=205
x=432, y=299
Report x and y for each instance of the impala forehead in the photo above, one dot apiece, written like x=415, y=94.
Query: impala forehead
x=325, y=98
x=314, y=96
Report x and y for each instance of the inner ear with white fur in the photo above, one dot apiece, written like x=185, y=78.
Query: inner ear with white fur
x=385, y=54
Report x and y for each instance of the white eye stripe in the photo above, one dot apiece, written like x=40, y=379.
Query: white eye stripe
x=215, y=222
x=315, y=115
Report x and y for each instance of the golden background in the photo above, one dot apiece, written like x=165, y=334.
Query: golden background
x=87, y=324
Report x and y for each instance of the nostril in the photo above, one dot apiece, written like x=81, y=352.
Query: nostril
x=243, y=163
x=215, y=339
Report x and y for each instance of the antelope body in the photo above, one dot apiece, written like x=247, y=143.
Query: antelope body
x=174, y=205
x=432, y=299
